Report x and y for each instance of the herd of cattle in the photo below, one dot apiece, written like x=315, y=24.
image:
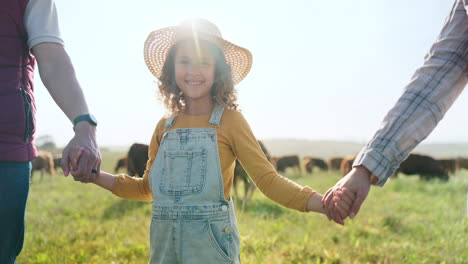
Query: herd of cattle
x=135, y=163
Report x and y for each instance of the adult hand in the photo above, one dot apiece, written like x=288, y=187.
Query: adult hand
x=358, y=182
x=86, y=168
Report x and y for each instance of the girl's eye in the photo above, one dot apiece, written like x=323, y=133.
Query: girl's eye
x=185, y=62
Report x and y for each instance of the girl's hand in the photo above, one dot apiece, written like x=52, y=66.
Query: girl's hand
x=75, y=155
x=343, y=200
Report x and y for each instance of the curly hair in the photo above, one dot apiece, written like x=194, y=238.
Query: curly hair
x=222, y=91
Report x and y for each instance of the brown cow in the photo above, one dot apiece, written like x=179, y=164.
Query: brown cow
x=121, y=163
x=335, y=163
x=241, y=175
x=137, y=158
x=287, y=162
x=310, y=163
x=44, y=162
x=427, y=167
x=449, y=165
x=347, y=164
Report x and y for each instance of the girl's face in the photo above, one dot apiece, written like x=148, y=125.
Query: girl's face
x=194, y=70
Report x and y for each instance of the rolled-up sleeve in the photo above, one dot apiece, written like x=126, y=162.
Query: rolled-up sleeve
x=425, y=100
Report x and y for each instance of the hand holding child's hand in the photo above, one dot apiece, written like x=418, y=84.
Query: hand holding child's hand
x=75, y=155
x=357, y=182
x=342, y=201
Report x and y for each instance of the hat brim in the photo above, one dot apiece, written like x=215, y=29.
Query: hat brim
x=159, y=42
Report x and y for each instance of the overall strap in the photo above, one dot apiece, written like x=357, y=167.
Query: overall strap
x=214, y=119
x=169, y=122
x=216, y=115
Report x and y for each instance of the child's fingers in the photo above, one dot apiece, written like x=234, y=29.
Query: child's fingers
x=337, y=215
x=334, y=214
x=342, y=204
x=344, y=198
x=351, y=195
x=342, y=207
x=330, y=208
x=342, y=212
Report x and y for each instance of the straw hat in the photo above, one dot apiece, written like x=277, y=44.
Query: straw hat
x=160, y=41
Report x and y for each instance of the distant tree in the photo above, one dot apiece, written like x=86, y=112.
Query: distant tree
x=46, y=142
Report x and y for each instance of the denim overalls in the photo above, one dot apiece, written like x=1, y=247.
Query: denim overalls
x=192, y=222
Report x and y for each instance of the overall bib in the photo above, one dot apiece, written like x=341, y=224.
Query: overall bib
x=191, y=221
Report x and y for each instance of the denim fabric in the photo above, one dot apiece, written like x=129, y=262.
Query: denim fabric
x=191, y=221
x=14, y=189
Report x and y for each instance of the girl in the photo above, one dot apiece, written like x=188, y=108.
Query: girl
x=193, y=151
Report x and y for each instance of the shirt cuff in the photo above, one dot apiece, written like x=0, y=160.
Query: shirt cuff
x=377, y=163
x=116, y=190
x=304, y=195
x=33, y=42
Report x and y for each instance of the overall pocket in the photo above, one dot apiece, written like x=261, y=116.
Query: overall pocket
x=220, y=237
x=206, y=241
x=184, y=172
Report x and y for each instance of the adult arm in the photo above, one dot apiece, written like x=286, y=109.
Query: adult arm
x=425, y=100
x=58, y=76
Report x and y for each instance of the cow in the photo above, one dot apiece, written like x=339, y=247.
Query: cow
x=44, y=162
x=241, y=175
x=287, y=162
x=427, y=167
x=57, y=162
x=462, y=163
x=449, y=165
x=121, y=163
x=347, y=164
x=137, y=158
x=310, y=163
x=335, y=163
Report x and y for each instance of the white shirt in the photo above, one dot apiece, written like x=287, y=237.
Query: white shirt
x=41, y=22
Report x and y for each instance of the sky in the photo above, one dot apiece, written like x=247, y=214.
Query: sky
x=322, y=70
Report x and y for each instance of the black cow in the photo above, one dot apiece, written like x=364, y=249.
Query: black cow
x=427, y=167
x=137, y=159
x=310, y=163
x=287, y=162
x=240, y=175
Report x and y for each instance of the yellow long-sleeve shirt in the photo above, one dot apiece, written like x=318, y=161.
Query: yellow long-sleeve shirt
x=235, y=140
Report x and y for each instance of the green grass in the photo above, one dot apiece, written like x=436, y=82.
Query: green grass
x=407, y=221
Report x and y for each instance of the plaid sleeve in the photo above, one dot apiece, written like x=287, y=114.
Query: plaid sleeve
x=430, y=93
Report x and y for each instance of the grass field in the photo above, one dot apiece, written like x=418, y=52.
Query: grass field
x=407, y=221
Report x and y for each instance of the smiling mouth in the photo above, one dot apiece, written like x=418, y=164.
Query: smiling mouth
x=193, y=83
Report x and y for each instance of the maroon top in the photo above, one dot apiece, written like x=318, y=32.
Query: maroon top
x=17, y=106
